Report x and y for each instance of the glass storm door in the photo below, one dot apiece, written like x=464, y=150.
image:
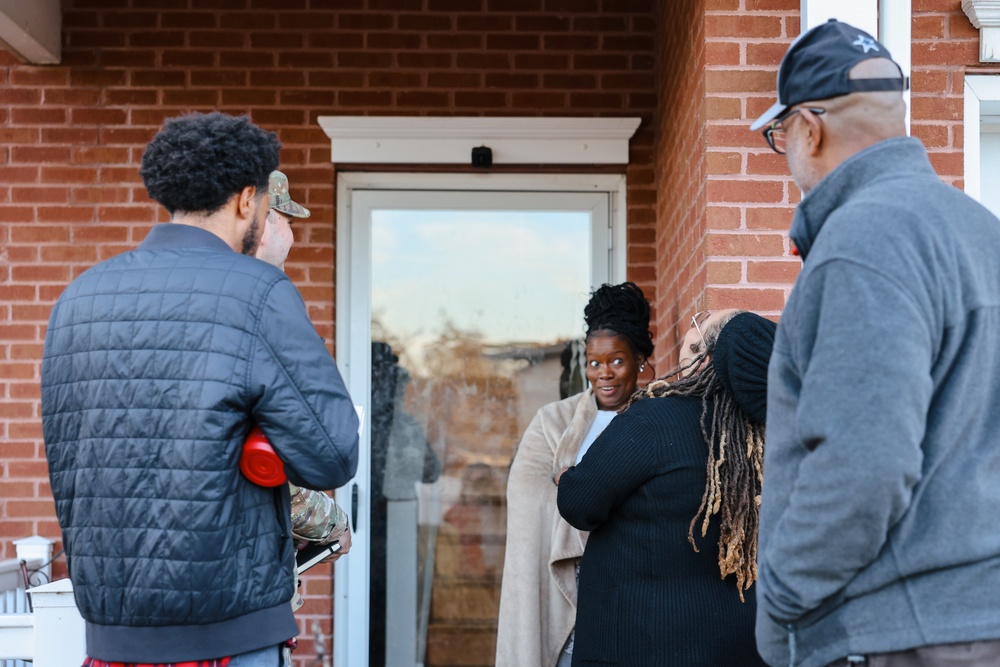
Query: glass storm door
x=460, y=307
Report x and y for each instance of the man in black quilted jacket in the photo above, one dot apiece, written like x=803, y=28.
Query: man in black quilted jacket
x=157, y=362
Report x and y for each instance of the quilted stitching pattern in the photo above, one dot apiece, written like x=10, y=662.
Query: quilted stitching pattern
x=155, y=363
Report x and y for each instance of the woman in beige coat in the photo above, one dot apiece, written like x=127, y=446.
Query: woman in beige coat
x=538, y=593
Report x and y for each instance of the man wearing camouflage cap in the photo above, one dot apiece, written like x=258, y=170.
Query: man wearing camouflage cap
x=316, y=517
x=878, y=542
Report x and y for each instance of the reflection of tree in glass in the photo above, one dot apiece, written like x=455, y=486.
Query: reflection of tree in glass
x=397, y=343
x=401, y=457
x=465, y=395
x=456, y=353
x=469, y=395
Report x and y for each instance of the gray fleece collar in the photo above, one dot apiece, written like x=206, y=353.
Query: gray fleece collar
x=889, y=158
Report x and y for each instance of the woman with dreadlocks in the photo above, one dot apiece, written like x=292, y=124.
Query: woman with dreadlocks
x=670, y=493
x=538, y=592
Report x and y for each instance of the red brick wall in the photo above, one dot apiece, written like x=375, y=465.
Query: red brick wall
x=696, y=71
x=750, y=194
x=945, y=47
x=72, y=135
x=750, y=191
x=681, y=168
x=726, y=200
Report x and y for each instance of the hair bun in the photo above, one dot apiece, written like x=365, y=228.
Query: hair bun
x=623, y=309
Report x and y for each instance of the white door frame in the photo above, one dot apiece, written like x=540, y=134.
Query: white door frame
x=353, y=271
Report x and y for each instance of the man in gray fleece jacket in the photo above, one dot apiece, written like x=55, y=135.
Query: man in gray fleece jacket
x=878, y=527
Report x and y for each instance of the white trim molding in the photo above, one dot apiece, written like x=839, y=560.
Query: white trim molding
x=450, y=140
x=985, y=16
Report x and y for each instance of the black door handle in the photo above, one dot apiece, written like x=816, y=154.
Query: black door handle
x=354, y=507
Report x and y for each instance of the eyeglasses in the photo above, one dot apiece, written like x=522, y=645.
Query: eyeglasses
x=697, y=325
x=687, y=362
x=774, y=133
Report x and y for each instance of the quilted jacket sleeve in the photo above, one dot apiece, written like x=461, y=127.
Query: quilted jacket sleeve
x=303, y=406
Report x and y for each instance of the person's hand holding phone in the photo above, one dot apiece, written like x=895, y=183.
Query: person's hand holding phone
x=345, y=546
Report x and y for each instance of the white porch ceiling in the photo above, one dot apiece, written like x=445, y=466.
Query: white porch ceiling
x=32, y=30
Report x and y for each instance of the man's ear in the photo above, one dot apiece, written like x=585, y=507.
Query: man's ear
x=244, y=201
x=814, y=138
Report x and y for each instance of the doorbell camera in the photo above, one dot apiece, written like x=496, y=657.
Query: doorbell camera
x=482, y=157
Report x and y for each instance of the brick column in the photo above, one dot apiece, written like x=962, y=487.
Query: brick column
x=945, y=47
x=726, y=200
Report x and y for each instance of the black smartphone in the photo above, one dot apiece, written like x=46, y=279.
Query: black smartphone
x=314, y=553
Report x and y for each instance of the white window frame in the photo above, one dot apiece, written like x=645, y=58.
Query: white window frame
x=888, y=20
x=982, y=114
x=361, y=140
x=353, y=323
x=859, y=13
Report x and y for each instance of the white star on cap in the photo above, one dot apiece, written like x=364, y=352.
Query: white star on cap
x=866, y=43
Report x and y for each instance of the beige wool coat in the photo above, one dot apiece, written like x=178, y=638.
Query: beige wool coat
x=538, y=592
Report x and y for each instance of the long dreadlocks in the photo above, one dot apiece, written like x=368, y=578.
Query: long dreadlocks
x=734, y=468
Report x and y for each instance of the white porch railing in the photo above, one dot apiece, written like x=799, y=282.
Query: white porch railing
x=51, y=634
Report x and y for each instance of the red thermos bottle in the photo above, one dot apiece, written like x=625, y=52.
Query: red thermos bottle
x=259, y=463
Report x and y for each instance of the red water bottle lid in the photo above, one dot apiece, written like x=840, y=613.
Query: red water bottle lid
x=259, y=463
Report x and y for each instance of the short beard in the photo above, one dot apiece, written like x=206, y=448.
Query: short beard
x=251, y=240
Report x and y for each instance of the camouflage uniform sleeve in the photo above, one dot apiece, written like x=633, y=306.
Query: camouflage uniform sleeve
x=316, y=516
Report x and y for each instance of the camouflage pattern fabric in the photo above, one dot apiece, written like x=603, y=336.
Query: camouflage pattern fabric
x=316, y=517
x=277, y=190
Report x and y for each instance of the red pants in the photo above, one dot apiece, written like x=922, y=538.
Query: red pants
x=217, y=662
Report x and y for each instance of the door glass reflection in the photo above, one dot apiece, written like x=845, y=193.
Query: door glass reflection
x=472, y=311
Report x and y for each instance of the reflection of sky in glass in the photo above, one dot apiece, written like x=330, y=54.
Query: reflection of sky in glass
x=509, y=275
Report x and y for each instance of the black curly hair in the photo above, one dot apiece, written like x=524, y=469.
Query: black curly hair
x=197, y=162
x=623, y=310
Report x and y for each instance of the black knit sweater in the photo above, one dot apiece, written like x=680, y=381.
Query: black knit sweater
x=646, y=597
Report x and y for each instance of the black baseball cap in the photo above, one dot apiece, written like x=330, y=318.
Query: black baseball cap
x=818, y=64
